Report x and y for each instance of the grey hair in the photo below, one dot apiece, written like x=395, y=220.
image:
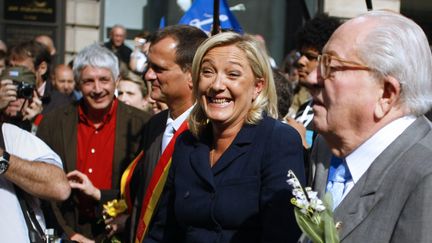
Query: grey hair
x=96, y=56
x=399, y=48
x=118, y=26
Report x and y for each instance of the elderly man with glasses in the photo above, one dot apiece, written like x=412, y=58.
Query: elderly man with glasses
x=373, y=86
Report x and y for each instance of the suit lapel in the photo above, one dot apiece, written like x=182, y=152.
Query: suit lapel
x=120, y=140
x=154, y=130
x=200, y=163
x=239, y=146
x=368, y=190
x=200, y=160
x=321, y=156
x=69, y=130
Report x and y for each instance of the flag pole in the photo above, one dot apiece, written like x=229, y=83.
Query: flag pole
x=369, y=5
x=216, y=21
x=305, y=9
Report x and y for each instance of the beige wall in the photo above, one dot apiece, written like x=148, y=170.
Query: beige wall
x=82, y=25
x=351, y=8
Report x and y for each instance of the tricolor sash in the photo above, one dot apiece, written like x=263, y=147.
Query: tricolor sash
x=157, y=183
x=125, y=181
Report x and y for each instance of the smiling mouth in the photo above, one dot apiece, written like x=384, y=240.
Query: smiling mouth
x=98, y=98
x=218, y=101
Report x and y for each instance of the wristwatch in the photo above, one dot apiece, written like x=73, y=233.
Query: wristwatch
x=4, y=162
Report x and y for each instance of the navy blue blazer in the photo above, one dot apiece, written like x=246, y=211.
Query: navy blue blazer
x=244, y=197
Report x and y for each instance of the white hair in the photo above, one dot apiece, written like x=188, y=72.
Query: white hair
x=398, y=47
x=96, y=56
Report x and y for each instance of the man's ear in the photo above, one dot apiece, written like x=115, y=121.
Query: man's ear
x=189, y=79
x=390, y=96
x=42, y=68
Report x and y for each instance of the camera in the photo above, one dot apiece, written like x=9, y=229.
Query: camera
x=24, y=90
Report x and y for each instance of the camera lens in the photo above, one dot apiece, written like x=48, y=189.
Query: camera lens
x=25, y=90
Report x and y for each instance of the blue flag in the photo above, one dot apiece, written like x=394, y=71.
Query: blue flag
x=200, y=15
x=162, y=23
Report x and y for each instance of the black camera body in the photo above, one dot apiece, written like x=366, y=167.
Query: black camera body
x=24, y=90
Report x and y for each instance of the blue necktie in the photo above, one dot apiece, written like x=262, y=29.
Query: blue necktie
x=168, y=134
x=338, y=175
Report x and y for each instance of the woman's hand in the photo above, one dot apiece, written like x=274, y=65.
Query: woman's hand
x=80, y=181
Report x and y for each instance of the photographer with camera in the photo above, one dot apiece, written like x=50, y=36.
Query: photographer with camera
x=19, y=101
x=29, y=169
x=36, y=58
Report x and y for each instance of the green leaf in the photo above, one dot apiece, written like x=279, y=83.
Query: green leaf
x=313, y=231
x=328, y=202
x=330, y=233
x=319, y=228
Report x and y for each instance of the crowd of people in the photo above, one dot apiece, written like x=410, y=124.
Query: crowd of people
x=191, y=136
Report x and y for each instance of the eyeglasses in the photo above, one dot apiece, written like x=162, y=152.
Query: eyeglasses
x=325, y=69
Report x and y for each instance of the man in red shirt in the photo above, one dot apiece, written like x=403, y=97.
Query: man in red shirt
x=96, y=138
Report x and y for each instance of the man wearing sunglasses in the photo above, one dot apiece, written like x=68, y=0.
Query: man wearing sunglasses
x=373, y=86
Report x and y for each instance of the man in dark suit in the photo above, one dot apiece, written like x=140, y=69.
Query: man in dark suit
x=373, y=87
x=170, y=60
x=96, y=138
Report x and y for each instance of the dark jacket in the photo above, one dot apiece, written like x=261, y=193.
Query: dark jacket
x=122, y=52
x=53, y=99
x=152, y=140
x=244, y=197
x=59, y=130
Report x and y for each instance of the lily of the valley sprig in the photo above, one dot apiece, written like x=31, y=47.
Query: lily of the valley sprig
x=313, y=216
x=305, y=199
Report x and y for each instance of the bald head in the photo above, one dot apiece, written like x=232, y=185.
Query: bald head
x=118, y=35
x=64, y=79
x=48, y=42
x=3, y=46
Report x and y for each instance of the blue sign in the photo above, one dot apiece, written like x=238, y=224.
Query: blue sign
x=200, y=15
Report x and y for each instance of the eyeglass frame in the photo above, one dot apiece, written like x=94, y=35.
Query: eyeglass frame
x=326, y=75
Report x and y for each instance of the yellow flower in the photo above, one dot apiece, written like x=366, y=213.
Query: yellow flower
x=115, y=207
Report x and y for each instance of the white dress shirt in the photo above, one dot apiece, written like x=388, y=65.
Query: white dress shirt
x=361, y=158
x=175, y=124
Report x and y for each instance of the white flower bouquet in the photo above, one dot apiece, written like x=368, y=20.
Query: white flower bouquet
x=313, y=216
